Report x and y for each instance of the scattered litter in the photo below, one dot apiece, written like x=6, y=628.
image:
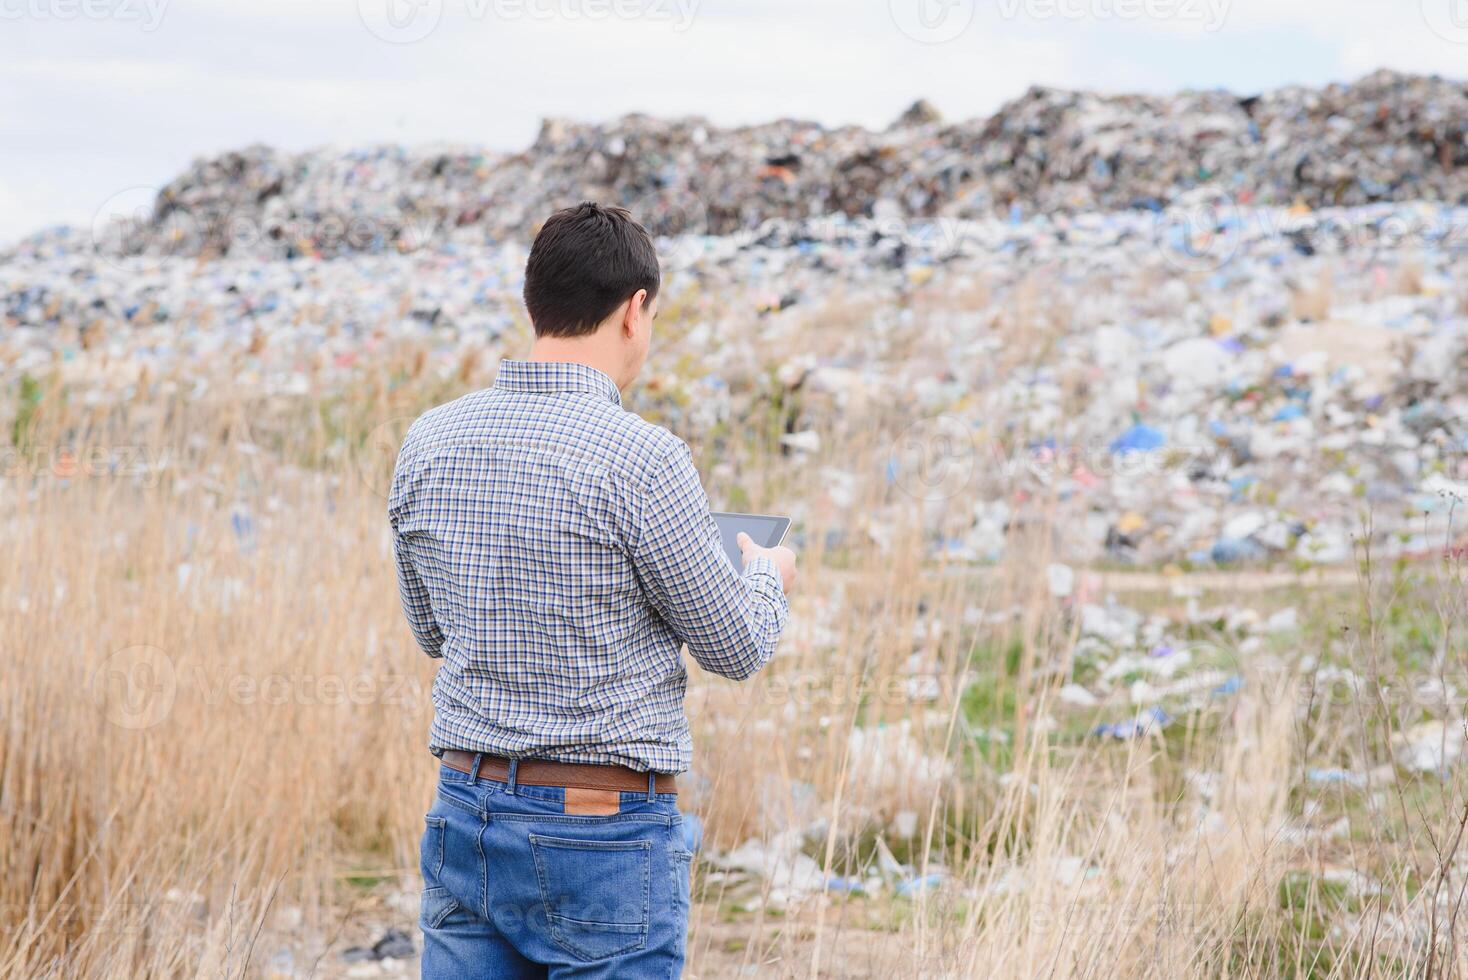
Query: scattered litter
x=1284, y=621
x=843, y=885
x=1062, y=580
x=692, y=832
x=920, y=884
x=1431, y=747
x=281, y=965
x=1146, y=722
x=896, y=767
x=1231, y=686
x=1077, y=696
x=1330, y=777
x=788, y=874
x=394, y=944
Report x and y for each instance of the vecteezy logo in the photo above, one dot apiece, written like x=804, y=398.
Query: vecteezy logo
x=1448, y=19
x=680, y=223
x=132, y=231
x=931, y=21
x=377, y=455
x=1200, y=237
x=400, y=21
x=934, y=459
x=135, y=687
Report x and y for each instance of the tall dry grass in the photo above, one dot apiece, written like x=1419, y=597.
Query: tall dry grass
x=214, y=728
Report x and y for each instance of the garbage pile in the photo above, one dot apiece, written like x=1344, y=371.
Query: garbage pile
x=1387, y=137
x=1253, y=400
x=1213, y=381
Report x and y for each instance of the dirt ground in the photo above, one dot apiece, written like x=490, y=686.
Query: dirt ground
x=788, y=949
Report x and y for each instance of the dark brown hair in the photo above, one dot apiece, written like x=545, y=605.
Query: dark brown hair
x=585, y=262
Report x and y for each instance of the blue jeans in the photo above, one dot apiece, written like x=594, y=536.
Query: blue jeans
x=514, y=887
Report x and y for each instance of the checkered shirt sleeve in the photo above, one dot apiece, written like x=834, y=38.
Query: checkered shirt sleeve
x=730, y=622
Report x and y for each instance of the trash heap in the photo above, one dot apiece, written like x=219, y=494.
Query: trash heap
x=1161, y=402
x=1215, y=382
x=1386, y=137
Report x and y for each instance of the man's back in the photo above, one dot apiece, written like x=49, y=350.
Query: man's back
x=552, y=549
x=557, y=552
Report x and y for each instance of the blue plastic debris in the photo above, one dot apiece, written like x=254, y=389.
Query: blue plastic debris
x=844, y=886
x=914, y=886
x=1238, y=484
x=1335, y=776
x=1229, y=550
x=244, y=529
x=1231, y=686
x=1139, y=438
x=692, y=831
x=1143, y=724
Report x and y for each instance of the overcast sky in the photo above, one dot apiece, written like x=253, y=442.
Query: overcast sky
x=101, y=96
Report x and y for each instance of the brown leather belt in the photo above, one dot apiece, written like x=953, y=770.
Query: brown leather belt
x=542, y=772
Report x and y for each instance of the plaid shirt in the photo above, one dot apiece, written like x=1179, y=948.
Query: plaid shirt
x=556, y=551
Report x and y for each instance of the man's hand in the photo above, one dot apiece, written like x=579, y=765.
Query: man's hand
x=782, y=556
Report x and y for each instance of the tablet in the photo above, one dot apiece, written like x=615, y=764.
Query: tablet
x=766, y=531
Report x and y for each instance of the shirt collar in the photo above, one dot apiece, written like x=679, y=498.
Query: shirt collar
x=550, y=377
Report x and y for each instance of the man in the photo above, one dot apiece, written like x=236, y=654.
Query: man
x=556, y=551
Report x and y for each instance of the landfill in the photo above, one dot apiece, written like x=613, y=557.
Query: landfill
x=1183, y=665
x=1206, y=330
x=1386, y=137
x=1188, y=332
x=1266, y=410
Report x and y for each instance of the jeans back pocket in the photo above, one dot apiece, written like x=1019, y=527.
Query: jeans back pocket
x=596, y=893
x=430, y=850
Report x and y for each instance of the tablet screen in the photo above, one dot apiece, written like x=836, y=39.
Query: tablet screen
x=767, y=531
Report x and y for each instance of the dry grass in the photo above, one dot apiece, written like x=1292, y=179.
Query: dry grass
x=213, y=716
